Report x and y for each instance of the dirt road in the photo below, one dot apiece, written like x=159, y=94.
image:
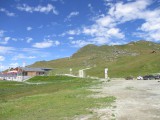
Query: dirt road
x=136, y=100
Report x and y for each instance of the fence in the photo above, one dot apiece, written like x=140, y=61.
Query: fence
x=13, y=77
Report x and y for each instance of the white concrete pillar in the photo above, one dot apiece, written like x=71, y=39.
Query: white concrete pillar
x=106, y=73
x=81, y=73
x=70, y=70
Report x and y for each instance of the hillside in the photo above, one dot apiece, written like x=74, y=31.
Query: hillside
x=135, y=58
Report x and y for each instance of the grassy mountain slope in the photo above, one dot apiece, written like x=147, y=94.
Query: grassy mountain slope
x=135, y=58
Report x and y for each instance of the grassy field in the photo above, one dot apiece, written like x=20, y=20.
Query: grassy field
x=48, y=98
x=129, y=66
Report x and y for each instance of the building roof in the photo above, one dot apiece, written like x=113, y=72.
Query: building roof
x=12, y=71
x=33, y=69
x=36, y=69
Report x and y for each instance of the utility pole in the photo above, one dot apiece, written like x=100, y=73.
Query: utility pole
x=1, y=67
x=24, y=64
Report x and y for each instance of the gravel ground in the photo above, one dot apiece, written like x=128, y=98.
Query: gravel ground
x=136, y=100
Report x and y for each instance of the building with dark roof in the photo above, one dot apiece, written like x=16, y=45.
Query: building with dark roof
x=23, y=73
x=34, y=71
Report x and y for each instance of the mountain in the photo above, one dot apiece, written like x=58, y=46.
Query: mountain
x=132, y=59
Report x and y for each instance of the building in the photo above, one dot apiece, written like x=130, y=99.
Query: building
x=23, y=73
x=33, y=71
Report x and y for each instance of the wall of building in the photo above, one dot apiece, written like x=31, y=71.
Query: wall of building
x=33, y=73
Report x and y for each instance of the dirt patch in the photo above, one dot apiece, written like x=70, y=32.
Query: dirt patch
x=136, y=100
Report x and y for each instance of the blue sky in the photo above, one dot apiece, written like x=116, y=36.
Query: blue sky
x=35, y=30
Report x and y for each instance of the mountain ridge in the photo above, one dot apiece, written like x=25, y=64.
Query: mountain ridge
x=132, y=59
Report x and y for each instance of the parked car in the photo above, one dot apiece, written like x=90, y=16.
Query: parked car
x=148, y=77
x=139, y=78
x=157, y=77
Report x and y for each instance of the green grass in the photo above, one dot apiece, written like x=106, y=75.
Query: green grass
x=52, y=98
x=129, y=66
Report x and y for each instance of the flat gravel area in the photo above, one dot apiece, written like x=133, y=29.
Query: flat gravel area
x=136, y=99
